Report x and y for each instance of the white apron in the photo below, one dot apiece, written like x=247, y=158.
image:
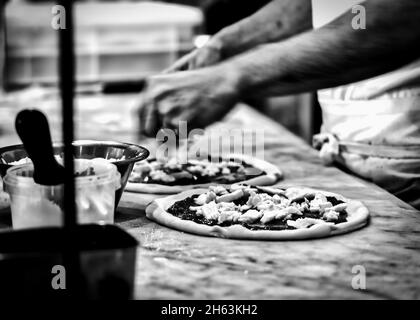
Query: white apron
x=373, y=127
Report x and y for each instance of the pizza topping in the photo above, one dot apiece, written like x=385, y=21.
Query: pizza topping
x=161, y=175
x=340, y=207
x=218, y=190
x=205, y=198
x=229, y=197
x=271, y=190
x=229, y=216
x=331, y=215
x=250, y=216
x=173, y=164
x=143, y=167
x=226, y=170
x=193, y=172
x=269, y=216
x=303, y=223
x=245, y=207
x=210, y=211
x=255, y=209
x=319, y=203
x=181, y=175
x=254, y=199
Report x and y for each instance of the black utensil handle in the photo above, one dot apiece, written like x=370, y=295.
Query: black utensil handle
x=33, y=129
x=136, y=86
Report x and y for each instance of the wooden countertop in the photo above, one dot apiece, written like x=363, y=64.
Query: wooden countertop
x=177, y=265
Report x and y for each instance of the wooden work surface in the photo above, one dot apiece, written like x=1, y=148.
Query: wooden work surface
x=175, y=265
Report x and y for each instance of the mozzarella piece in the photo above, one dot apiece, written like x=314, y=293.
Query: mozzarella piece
x=142, y=167
x=339, y=207
x=319, y=203
x=272, y=190
x=196, y=168
x=287, y=213
x=218, y=190
x=210, y=211
x=265, y=205
x=269, y=216
x=277, y=198
x=173, y=164
x=160, y=175
x=205, y=198
x=211, y=170
x=156, y=165
x=198, y=210
x=201, y=199
x=246, y=189
x=250, y=216
x=303, y=206
x=282, y=214
x=226, y=206
x=236, y=186
x=254, y=199
x=226, y=171
x=304, y=223
x=331, y=216
x=229, y=216
x=229, y=197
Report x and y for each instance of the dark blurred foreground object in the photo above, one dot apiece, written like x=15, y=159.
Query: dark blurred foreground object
x=2, y=43
x=222, y=13
x=30, y=262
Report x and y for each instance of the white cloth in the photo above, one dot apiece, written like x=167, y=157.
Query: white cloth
x=373, y=126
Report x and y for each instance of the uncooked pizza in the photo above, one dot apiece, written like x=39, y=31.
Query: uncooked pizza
x=152, y=176
x=266, y=213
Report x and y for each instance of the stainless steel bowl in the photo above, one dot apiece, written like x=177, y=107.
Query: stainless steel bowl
x=123, y=155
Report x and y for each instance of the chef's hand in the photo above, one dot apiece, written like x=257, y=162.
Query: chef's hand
x=199, y=97
x=209, y=54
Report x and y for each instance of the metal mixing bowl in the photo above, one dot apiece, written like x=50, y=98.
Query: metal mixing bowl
x=123, y=155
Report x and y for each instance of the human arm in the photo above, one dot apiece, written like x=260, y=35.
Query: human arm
x=333, y=55
x=276, y=21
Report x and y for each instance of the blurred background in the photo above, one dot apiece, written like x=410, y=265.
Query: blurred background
x=119, y=42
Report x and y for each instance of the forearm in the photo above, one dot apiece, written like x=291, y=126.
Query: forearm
x=278, y=20
x=335, y=54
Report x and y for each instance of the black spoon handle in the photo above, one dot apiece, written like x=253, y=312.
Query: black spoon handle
x=33, y=129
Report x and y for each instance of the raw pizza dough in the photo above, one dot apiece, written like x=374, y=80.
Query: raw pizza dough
x=271, y=176
x=357, y=217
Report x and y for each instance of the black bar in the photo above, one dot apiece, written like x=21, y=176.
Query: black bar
x=67, y=84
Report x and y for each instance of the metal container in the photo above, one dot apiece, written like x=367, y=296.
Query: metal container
x=123, y=155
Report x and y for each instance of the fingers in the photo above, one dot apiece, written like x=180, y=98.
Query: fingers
x=199, y=58
x=183, y=115
x=152, y=122
x=149, y=117
x=182, y=63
